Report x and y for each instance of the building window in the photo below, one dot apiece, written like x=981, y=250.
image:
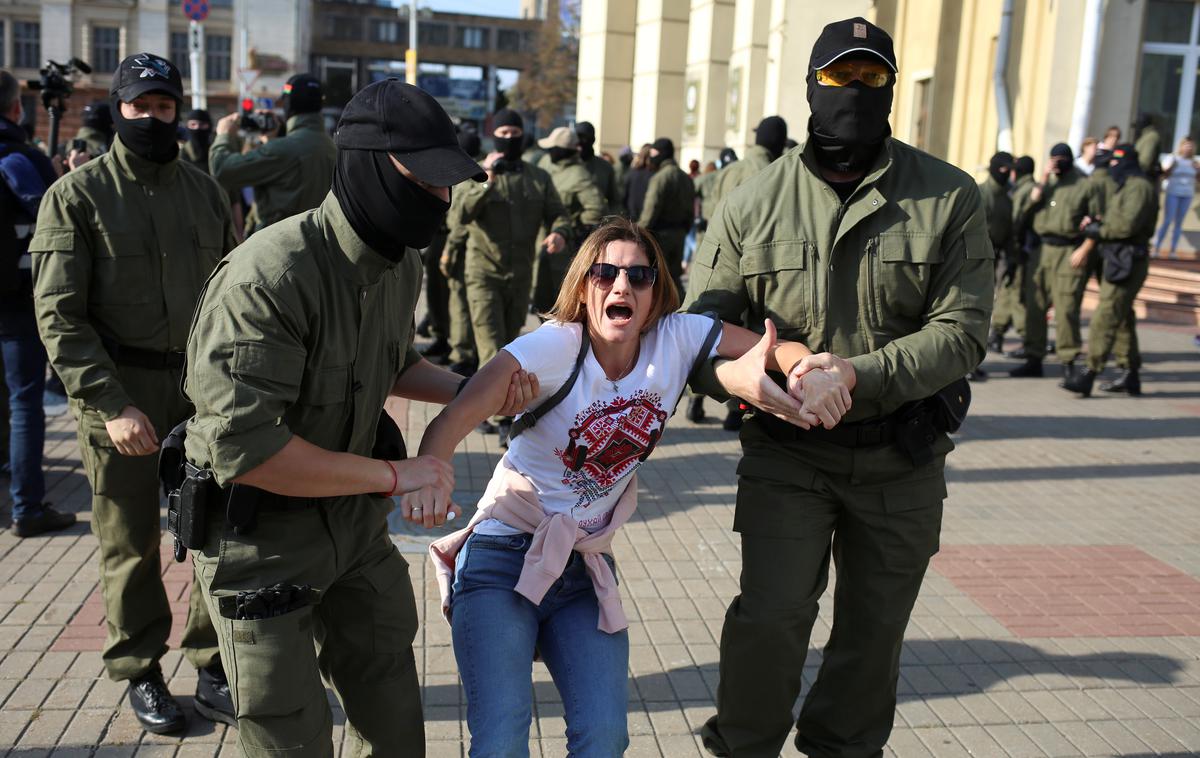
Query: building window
x=388, y=31
x=345, y=27
x=508, y=40
x=217, y=50
x=472, y=37
x=179, y=53
x=339, y=79
x=434, y=35
x=1168, y=83
x=27, y=44
x=106, y=48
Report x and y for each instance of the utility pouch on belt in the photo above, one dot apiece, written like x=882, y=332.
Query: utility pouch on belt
x=186, y=489
x=1118, y=260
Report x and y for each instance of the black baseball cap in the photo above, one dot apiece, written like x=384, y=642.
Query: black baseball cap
x=146, y=72
x=408, y=123
x=302, y=93
x=853, y=35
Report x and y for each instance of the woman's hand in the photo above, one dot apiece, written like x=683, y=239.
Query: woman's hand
x=834, y=366
x=522, y=390
x=423, y=471
x=824, y=393
x=428, y=506
x=746, y=378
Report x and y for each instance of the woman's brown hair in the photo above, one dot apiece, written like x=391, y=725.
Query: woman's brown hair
x=571, y=305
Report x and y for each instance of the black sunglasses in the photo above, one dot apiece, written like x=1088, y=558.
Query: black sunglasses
x=639, y=276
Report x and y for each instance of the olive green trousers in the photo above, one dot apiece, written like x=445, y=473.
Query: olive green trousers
x=499, y=308
x=799, y=506
x=1009, y=309
x=1114, y=324
x=127, y=521
x=357, y=635
x=462, y=336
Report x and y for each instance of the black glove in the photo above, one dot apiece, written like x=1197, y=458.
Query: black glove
x=1092, y=230
x=499, y=167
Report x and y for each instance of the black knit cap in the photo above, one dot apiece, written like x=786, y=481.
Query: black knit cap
x=1024, y=165
x=406, y=121
x=303, y=94
x=146, y=72
x=1062, y=150
x=853, y=35
x=507, y=117
x=586, y=132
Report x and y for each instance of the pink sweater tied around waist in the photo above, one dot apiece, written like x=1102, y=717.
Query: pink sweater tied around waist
x=511, y=498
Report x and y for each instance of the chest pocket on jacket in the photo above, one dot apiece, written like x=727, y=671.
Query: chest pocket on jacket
x=779, y=282
x=208, y=244
x=122, y=273
x=901, y=267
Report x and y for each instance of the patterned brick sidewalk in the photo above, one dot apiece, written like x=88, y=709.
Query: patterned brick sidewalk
x=1062, y=616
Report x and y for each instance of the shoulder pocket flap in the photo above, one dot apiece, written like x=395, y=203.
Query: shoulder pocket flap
x=118, y=244
x=52, y=241
x=907, y=247
x=791, y=255
x=208, y=236
x=326, y=386
x=252, y=359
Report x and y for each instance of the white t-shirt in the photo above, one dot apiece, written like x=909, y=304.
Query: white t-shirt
x=579, y=457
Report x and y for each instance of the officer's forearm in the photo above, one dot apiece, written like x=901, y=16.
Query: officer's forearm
x=302, y=469
x=482, y=397
x=428, y=383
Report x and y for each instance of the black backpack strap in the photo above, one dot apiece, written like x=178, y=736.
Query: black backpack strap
x=705, y=349
x=530, y=417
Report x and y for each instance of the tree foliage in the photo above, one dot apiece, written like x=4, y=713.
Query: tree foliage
x=548, y=86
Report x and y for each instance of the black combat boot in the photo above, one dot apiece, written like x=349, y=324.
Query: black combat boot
x=1032, y=367
x=153, y=705
x=1129, y=382
x=1019, y=353
x=213, y=700
x=995, y=342
x=1081, y=382
x=695, y=411
x=1069, y=373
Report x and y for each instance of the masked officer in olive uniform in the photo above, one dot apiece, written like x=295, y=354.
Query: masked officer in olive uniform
x=299, y=338
x=1058, y=206
x=290, y=174
x=603, y=173
x=1124, y=238
x=770, y=137
x=122, y=248
x=669, y=206
x=198, y=124
x=502, y=218
x=464, y=359
x=1010, y=308
x=997, y=206
x=97, y=129
x=876, y=252
x=582, y=202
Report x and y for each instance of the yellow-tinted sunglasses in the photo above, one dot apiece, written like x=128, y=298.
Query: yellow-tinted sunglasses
x=842, y=73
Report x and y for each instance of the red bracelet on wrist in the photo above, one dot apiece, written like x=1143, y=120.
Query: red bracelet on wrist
x=395, y=480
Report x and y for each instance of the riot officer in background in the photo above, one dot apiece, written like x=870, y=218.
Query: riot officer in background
x=199, y=138
x=668, y=210
x=1010, y=308
x=997, y=206
x=97, y=129
x=464, y=358
x=601, y=170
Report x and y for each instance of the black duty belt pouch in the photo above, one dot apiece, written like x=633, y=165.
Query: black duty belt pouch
x=186, y=510
x=1118, y=260
x=949, y=406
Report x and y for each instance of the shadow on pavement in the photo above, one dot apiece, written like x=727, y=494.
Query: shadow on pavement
x=1050, y=473
x=984, y=426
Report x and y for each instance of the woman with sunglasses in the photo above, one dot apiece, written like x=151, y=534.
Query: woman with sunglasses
x=533, y=574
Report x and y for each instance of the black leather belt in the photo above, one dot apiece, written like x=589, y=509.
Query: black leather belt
x=1054, y=239
x=139, y=358
x=860, y=434
x=263, y=501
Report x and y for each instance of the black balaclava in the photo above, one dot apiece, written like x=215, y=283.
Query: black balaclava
x=666, y=150
x=1063, y=158
x=385, y=208
x=1124, y=164
x=511, y=147
x=200, y=138
x=560, y=154
x=587, y=139
x=1023, y=166
x=771, y=133
x=148, y=137
x=98, y=116
x=1000, y=167
x=848, y=124
x=728, y=155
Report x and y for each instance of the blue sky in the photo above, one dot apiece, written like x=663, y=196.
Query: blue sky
x=482, y=7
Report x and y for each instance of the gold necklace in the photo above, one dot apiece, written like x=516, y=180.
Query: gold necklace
x=628, y=366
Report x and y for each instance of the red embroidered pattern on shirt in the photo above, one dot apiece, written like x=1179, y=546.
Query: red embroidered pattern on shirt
x=608, y=441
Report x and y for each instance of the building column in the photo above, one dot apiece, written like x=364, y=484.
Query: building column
x=710, y=38
x=605, y=91
x=659, y=63
x=749, y=73
x=152, y=35
x=56, y=43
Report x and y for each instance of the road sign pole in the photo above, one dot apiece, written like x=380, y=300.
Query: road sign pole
x=196, y=57
x=410, y=55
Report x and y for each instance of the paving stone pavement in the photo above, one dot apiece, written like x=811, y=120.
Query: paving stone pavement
x=1061, y=618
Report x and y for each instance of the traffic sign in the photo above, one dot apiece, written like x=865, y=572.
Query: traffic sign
x=196, y=10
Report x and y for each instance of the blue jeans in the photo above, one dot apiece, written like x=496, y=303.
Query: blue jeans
x=1174, y=210
x=25, y=374
x=495, y=634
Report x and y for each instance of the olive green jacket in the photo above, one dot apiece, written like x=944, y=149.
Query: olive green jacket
x=1148, y=146
x=304, y=332
x=735, y=174
x=998, y=208
x=1065, y=200
x=1101, y=191
x=605, y=180
x=290, y=175
x=1022, y=203
x=670, y=199
x=121, y=251
x=1132, y=212
x=899, y=279
x=705, y=185
x=581, y=199
x=97, y=141
x=502, y=219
